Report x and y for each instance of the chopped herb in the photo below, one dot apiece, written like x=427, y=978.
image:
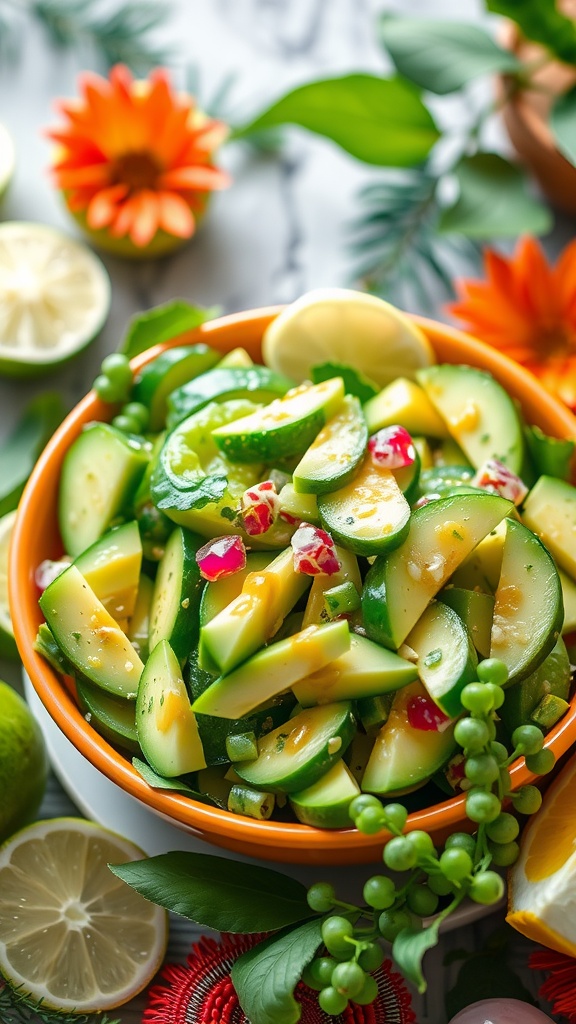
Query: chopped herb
x=433, y=658
x=349, y=520
x=528, y=567
x=228, y=513
x=457, y=535
x=485, y=438
x=76, y=635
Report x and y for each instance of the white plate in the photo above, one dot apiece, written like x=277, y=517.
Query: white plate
x=104, y=802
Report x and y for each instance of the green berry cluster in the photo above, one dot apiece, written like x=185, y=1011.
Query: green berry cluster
x=461, y=868
x=114, y=384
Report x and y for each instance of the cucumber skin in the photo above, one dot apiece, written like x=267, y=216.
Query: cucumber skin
x=258, y=383
x=186, y=626
x=171, y=369
x=362, y=547
x=375, y=606
x=279, y=443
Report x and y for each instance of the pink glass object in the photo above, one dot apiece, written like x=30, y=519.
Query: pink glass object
x=392, y=448
x=501, y=1011
x=494, y=476
x=314, y=551
x=425, y=715
x=48, y=570
x=220, y=557
x=259, y=508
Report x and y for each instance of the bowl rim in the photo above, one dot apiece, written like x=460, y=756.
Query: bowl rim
x=269, y=839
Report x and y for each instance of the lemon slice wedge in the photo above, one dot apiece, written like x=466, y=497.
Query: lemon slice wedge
x=349, y=327
x=542, y=882
x=54, y=297
x=72, y=934
x=8, y=647
x=7, y=159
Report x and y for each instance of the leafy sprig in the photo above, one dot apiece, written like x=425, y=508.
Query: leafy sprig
x=17, y=1007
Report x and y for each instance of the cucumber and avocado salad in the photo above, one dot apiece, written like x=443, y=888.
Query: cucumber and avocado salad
x=177, y=593
x=365, y=670
x=368, y=515
x=446, y=656
x=335, y=455
x=171, y=369
x=166, y=725
x=257, y=383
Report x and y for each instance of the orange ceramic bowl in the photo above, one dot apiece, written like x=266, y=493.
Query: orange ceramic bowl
x=36, y=538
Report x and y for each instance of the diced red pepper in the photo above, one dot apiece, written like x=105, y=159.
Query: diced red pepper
x=392, y=448
x=259, y=507
x=314, y=551
x=425, y=715
x=220, y=557
x=494, y=476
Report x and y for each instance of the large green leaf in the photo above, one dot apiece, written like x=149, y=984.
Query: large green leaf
x=18, y=453
x=265, y=977
x=218, y=893
x=541, y=21
x=442, y=56
x=381, y=121
x=563, y=124
x=161, y=324
x=493, y=201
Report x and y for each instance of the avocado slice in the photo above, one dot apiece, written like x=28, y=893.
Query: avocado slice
x=166, y=724
x=550, y=512
x=403, y=401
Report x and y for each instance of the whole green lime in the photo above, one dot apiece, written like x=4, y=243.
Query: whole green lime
x=23, y=763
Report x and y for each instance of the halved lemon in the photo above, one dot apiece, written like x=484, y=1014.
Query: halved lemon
x=8, y=647
x=342, y=326
x=72, y=934
x=7, y=159
x=54, y=297
x=542, y=882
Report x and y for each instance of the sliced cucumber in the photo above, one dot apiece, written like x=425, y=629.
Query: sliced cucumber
x=115, y=720
x=365, y=670
x=400, y=585
x=217, y=595
x=481, y=569
x=446, y=657
x=301, y=506
x=171, y=369
x=255, y=615
x=550, y=512
x=111, y=568
x=274, y=669
x=403, y=401
x=569, y=601
x=177, y=592
x=100, y=473
x=369, y=515
x=257, y=383
x=476, y=610
x=347, y=573
x=334, y=456
x=551, y=678
x=285, y=428
x=139, y=626
x=297, y=754
x=166, y=724
x=404, y=758
x=89, y=636
x=479, y=414
x=214, y=731
x=325, y=804
x=528, y=613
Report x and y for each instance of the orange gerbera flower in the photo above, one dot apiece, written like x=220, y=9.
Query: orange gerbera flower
x=527, y=308
x=134, y=158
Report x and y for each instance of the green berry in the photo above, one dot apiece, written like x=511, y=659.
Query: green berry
x=486, y=887
x=309, y=978
x=348, y=979
x=335, y=932
x=379, y=892
x=360, y=802
x=139, y=412
x=391, y=922
x=372, y=957
x=439, y=884
x=318, y=974
x=541, y=763
x=461, y=841
x=492, y=670
x=491, y=726
x=106, y=390
x=422, y=900
x=471, y=734
x=117, y=368
x=527, y=800
x=504, y=828
x=399, y=854
x=527, y=739
x=481, y=769
x=482, y=806
x=369, y=992
x=371, y=820
x=498, y=750
x=321, y=897
x=476, y=697
x=422, y=843
x=332, y=1002
x=396, y=815
x=498, y=695
x=127, y=424
x=456, y=864
x=504, y=854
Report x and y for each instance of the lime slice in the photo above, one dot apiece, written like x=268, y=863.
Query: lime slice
x=341, y=326
x=72, y=934
x=8, y=647
x=7, y=159
x=54, y=298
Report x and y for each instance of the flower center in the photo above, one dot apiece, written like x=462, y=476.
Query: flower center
x=137, y=170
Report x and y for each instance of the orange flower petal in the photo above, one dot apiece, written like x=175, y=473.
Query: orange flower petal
x=145, y=220
x=103, y=206
x=198, y=178
x=122, y=223
x=94, y=175
x=175, y=216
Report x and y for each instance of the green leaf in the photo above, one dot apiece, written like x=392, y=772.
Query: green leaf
x=20, y=450
x=409, y=948
x=265, y=977
x=175, y=785
x=485, y=972
x=493, y=201
x=541, y=21
x=162, y=324
x=216, y=893
x=354, y=383
x=442, y=56
x=378, y=120
x=194, y=494
x=563, y=124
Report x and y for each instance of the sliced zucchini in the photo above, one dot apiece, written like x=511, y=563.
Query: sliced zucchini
x=100, y=472
x=476, y=610
x=166, y=724
x=551, y=678
x=115, y=720
x=403, y=401
x=177, y=593
x=325, y=804
x=335, y=455
x=257, y=383
x=297, y=754
x=171, y=369
x=446, y=657
x=365, y=670
x=569, y=601
x=481, y=569
x=217, y=595
x=550, y=512
x=369, y=515
x=139, y=626
x=111, y=568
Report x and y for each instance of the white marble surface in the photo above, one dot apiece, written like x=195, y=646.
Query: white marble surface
x=280, y=230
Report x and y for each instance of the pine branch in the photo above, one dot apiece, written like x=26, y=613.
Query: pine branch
x=16, y=1007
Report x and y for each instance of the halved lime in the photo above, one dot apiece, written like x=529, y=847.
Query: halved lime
x=7, y=159
x=8, y=647
x=338, y=325
x=54, y=298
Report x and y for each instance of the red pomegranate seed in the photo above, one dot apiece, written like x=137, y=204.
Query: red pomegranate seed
x=48, y=570
x=494, y=476
x=425, y=715
x=392, y=448
x=220, y=557
x=259, y=508
x=314, y=551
